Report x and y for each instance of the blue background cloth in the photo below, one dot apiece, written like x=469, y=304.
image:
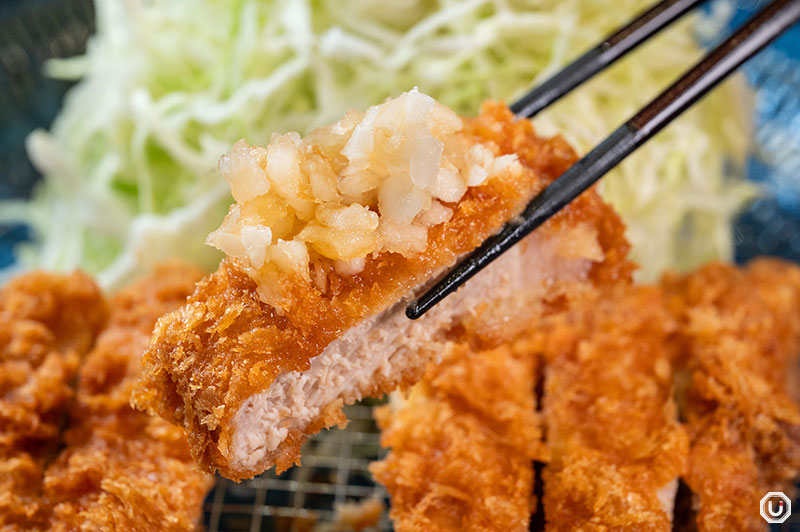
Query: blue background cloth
x=772, y=224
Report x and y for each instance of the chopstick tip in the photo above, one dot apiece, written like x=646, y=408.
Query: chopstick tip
x=414, y=310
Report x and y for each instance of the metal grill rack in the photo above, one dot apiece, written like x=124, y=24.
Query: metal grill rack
x=304, y=498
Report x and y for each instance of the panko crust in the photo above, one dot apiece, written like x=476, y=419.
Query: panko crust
x=84, y=459
x=611, y=423
x=738, y=343
x=463, y=443
x=121, y=469
x=47, y=323
x=225, y=344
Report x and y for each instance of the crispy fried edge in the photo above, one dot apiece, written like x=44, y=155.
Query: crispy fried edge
x=49, y=321
x=738, y=339
x=202, y=362
x=610, y=419
x=122, y=469
x=463, y=443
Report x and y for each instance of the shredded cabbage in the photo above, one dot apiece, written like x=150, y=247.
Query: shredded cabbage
x=168, y=85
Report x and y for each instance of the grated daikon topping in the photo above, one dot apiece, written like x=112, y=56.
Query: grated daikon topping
x=373, y=182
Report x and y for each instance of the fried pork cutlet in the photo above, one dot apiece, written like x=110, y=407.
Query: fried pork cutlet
x=463, y=443
x=739, y=338
x=329, y=237
x=122, y=469
x=610, y=420
x=47, y=323
x=80, y=458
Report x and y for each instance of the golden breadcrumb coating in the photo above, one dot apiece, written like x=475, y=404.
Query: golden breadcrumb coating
x=610, y=420
x=121, y=469
x=738, y=342
x=463, y=443
x=723, y=340
x=112, y=467
x=47, y=323
x=226, y=344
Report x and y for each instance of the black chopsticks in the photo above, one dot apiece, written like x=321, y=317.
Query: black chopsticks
x=615, y=46
x=753, y=36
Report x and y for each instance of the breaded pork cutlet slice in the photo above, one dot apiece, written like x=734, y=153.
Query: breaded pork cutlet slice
x=47, y=323
x=122, y=469
x=611, y=425
x=329, y=237
x=463, y=443
x=739, y=337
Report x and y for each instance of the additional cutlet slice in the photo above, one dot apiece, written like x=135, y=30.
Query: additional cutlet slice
x=47, y=323
x=121, y=469
x=610, y=421
x=739, y=339
x=463, y=443
x=250, y=381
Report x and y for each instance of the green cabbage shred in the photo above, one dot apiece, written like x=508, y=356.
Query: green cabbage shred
x=166, y=86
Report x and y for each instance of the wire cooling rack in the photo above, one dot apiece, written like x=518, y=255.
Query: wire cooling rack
x=304, y=498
